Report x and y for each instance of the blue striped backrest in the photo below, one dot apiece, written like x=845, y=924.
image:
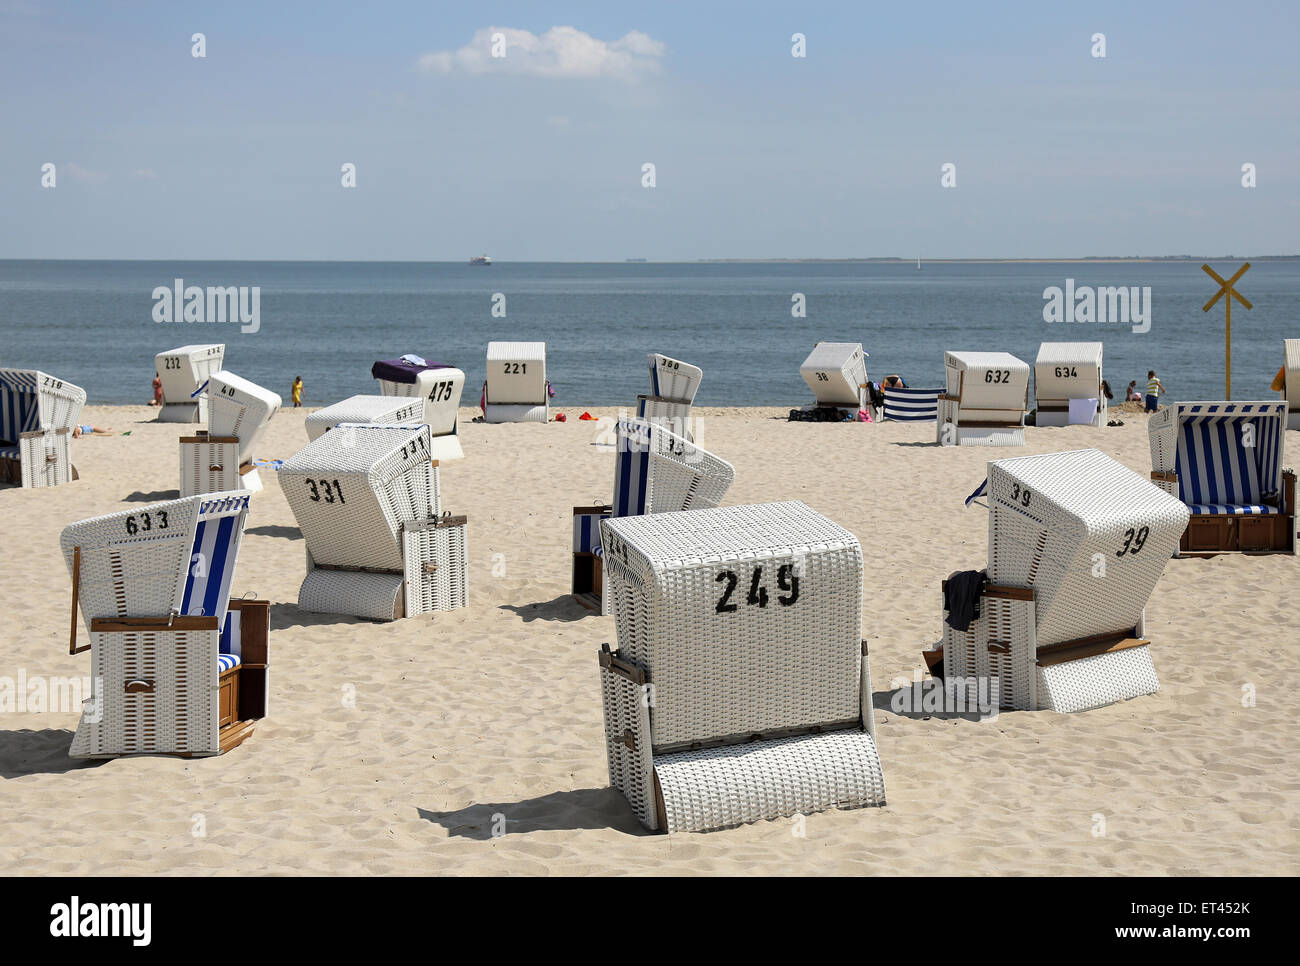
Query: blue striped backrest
x=1213, y=464
x=586, y=531
x=212, y=558
x=911, y=404
x=20, y=407
x=631, y=469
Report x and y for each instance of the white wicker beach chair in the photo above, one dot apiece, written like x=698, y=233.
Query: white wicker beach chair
x=674, y=380
x=672, y=415
x=836, y=372
x=1077, y=543
x=1291, y=392
x=172, y=672
x=911, y=405
x=1066, y=372
x=655, y=471
x=390, y=409
x=740, y=689
x=37, y=415
x=1225, y=461
x=439, y=385
x=221, y=458
x=516, y=390
x=366, y=498
x=984, y=404
x=183, y=372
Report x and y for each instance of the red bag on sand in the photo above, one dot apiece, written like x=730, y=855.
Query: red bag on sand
x=586, y=415
x=561, y=418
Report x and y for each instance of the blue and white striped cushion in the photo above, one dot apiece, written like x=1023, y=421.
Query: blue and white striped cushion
x=1214, y=467
x=226, y=661
x=20, y=409
x=586, y=532
x=1254, y=509
x=631, y=470
x=912, y=404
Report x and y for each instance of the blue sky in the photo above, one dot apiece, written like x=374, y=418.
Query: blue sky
x=538, y=156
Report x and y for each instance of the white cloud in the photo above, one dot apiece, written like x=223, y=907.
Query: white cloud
x=560, y=52
x=77, y=173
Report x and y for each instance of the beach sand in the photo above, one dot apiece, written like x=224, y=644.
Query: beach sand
x=389, y=748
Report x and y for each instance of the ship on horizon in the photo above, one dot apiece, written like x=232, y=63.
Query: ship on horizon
x=481, y=260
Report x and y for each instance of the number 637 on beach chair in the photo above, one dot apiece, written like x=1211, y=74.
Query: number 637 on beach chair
x=178, y=668
x=740, y=689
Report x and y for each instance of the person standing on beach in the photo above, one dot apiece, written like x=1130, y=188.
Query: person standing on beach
x=157, y=391
x=1155, y=389
x=296, y=391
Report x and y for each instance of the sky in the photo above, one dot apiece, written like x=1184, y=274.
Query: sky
x=540, y=155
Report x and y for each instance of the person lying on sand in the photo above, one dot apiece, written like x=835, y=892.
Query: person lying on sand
x=92, y=430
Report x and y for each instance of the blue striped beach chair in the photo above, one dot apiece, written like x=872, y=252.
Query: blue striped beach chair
x=153, y=585
x=1224, y=460
x=37, y=415
x=911, y=405
x=655, y=471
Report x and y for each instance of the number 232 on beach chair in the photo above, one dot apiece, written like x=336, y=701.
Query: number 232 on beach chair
x=1077, y=543
x=183, y=372
x=655, y=471
x=367, y=500
x=37, y=415
x=740, y=690
x=178, y=668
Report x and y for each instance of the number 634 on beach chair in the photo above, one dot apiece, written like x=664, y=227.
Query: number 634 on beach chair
x=178, y=668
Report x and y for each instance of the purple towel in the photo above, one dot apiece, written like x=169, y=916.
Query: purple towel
x=399, y=370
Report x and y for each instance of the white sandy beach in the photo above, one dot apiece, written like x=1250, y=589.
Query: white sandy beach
x=496, y=708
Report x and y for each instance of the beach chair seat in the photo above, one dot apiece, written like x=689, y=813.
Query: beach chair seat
x=911, y=405
x=1067, y=384
x=391, y=409
x=1077, y=544
x=740, y=689
x=984, y=400
x=674, y=380
x=1291, y=391
x=671, y=414
x=183, y=371
x=439, y=385
x=367, y=500
x=1224, y=460
x=516, y=389
x=220, y=458
x=170, y=649
x=836, y=372
x=37, y=415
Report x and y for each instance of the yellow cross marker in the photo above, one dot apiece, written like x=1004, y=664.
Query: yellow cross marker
x=1232, y=293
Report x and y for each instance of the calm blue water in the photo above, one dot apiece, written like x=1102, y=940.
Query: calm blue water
x=90, y=322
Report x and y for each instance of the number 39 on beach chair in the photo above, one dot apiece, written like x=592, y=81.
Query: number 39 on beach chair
x=222, y=458
x=655, y=471
x=985, y=400
x=740, y=690
x=1077, y=543
x=37, y=415
x=178, y=668
x=367, y=500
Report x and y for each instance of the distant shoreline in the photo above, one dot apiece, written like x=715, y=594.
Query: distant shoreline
x=890, y=260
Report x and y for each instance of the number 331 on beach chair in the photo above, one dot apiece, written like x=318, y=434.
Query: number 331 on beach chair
x=1077, y=544
x=178, y=668
x=740, y=690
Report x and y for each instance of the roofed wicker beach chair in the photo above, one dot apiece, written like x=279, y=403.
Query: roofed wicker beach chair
x=673, y=385
x=183, y=372
x=655, y=471
x=740, y=690
x=911, y=405
x=1224, y=460
x=1291, y=391
x=439, y=385
x=367, y=500
x=178, y=668
x=516, y=390
x=984, y=404
x=836, y=372
x=1067, y=384
x=390, y=409
x=221, y=458
x=38, y=413
x=1077, y=544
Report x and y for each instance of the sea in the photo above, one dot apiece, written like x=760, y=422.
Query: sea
x=747, y=324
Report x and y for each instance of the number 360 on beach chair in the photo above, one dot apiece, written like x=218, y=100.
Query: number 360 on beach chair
x=178, y=668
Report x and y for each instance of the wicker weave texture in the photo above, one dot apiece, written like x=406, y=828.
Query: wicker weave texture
x=510, y=413
x=391, y=408
x=516, y=374
x=352, y=489
x=672, y=379
x=374, y=596
x=440, y=390
x=627, y=743
x=835, y=372
x=445, y=549
x=182, y=371
x=671, y=415
x=678, y=475
x=681, y=585
x=1090, y=536
x=240, y=408
x=178, y=716
x=1096, y=681
x=209, y=468
x=46, y=459
x=720, y=787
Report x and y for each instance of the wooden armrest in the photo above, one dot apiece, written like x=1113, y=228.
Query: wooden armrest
x=1089, y=647
x=119, y=625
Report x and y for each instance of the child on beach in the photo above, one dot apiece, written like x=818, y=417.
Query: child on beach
x=1155, y=389
x=296, y=391
x=1132, y=394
